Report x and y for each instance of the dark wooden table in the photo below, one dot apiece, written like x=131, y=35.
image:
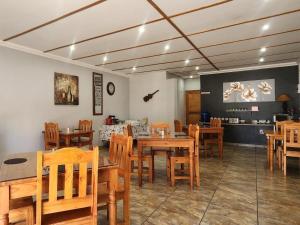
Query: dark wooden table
x=19, y=180
x=172, y=140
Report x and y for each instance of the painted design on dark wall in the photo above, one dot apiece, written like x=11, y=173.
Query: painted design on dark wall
x=249, y=91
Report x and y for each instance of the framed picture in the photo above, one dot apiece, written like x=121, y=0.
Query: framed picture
x=66, y=89
x=97, y=94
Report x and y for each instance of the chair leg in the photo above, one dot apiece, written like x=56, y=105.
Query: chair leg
x=150, y=170
x=30, y=216
x=172, y=172
x=126, y=211
x=168, y=165
x=284, y=165
x=197, y=171
x=153, y=169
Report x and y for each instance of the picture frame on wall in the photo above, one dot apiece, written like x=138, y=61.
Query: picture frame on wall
x=66, y=89
x=97, y=94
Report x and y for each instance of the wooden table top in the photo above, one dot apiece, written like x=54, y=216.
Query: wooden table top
x=272, y=133
x=169, y=137
x=28, y=169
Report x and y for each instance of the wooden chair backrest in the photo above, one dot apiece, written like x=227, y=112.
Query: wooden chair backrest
x=215, y=123
x=120, y=149
x=279, y=125
x=156, y=127
x=178, y=126
x=85, y=125
x=194, y=133
x=51, y=135
x=291, y=135
x=70, y=158
x=128, y=130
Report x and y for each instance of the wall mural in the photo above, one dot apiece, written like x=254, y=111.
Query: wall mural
x=249, y=91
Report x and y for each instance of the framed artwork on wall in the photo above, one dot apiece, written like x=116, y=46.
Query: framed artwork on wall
x=66, y=89
x=97, y=94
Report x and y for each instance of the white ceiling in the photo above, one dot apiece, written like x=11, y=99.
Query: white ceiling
x=228, y=32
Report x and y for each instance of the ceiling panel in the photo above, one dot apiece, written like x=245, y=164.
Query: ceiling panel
x=175, y=45
x=155, y=60
x=228, y=14
x=177, y=65
x=282, y=50
x=178, y=6
x=130, y=38
x=248, y=30
x=109, y=16
x=17, y=16
x=253, y=44
x=254, y=61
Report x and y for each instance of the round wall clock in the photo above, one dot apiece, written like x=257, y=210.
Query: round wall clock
x=110, y=88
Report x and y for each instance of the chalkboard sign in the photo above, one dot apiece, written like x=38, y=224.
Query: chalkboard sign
x=97, y=94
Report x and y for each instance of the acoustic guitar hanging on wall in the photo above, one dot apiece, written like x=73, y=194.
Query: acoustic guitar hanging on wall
x=149, y=96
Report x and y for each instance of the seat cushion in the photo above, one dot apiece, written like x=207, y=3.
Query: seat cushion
x=78, y=216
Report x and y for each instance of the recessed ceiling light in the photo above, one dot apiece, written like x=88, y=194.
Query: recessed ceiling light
x=72, y=47
x=265, y=27
x=263, y=49
x=261, y=59
x=167, y=47
x=197, y=68
x=134, y=68
x=105, y=58
x=142, y=29
x=187, y=61
x=191, y=76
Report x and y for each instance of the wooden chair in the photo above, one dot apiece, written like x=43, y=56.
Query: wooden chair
x=178, y=126
x=291, y=142
x=212, y=139
x=183, y=158
x=21, y=210
x=84, y=139
x=134, y=158
x=68, y=208
x=155, y=129
x=119, y=152
x=279, y=143
x=51, y=136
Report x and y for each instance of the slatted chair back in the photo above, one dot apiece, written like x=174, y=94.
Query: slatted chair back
x=85, y=125
x=194, y=133
x=120, y=149
x=155, y=128
x=84, y=164
x=215, y=123
x=291, y=133
x=51, y=136
x=178, y=126
x=279, y=125
x=127, y=130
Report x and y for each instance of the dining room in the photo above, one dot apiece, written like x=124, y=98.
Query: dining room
x=150, y=112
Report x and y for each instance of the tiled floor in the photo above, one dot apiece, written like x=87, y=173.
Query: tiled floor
x=238, y=190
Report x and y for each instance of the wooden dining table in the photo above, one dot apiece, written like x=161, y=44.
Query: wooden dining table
x=19, y=180
x=272, y=136
x=173, y=140
x=219, y=131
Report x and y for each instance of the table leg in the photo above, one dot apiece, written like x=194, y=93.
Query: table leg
x=271, y=153
x=220, y=145
x=268, y=151
x=4, y=206
x=191, y=152
x=68, y=140
x=113, y=182
x=140, y=164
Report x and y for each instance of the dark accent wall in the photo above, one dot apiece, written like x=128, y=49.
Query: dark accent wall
x=286, y=81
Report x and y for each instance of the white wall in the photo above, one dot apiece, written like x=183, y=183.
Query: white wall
x=27, y=99
x=192, y=84
x=163, y=105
